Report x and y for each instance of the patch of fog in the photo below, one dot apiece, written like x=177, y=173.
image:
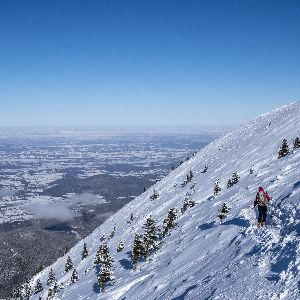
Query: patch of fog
x=62, y=210
x=104, y=215
x=86, y=199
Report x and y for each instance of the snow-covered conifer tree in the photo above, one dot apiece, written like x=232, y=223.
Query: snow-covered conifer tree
x=187, y=203
x=151, y=236
x=138, y=250
x=85, y=251
x=56, y=288
x=191, y=175
x=155, y=195
x=106, y=264
x=105, y=276
x=205, y=169
x=235, y=178
x=113, y=232
x=217, y=187
x=169, y=222
x=38, y=286
x=74, y=276
x=102, y=256
x=223, y=211
x=69, y=264
x=120, y=246
x=50, y=294
x=51, y=277
x=229, y=183
x=296, y=143
x=284, y=149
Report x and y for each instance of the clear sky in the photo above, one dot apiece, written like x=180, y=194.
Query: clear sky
x=151, y=62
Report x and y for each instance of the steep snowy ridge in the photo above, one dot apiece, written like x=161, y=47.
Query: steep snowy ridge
x=201, y=258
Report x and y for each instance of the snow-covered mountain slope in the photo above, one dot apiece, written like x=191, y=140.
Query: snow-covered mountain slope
x=201, y=258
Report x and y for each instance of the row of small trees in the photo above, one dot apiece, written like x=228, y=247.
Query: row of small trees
x=231, y=181
x=284, y=148
x=144, y=245
x=25, y=291
x=188, y=179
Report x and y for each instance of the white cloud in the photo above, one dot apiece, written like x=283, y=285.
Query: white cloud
x=63, y=210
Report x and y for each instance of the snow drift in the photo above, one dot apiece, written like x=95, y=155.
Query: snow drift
x=201, y=258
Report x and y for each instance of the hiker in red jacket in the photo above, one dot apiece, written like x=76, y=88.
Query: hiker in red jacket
x=263, y=200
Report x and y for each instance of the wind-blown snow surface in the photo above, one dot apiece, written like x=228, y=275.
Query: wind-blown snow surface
x=203, y=259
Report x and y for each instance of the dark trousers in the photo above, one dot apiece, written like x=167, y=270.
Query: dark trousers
x=262, y=214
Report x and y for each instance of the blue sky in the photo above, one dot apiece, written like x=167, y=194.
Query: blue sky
x=146, y=62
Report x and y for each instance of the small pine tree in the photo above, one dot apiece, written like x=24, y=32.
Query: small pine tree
x=169, y=222
x=155, y=195
x=229, y=183
x=113, y=232
x=50, y=294
x=102, y=238
x=223, y=211
x=251, y=171
x=74, y=276
x=187, y=179
x=138, y=250
x=151, y=236
x=205, y=169
x=69, y=264
x=187, y=203
x=53, y=291
x=130, y=218
x=101, y=251
x=51, y=277
x=38, y=286
x=284, y=149
x=235, y=178
x=56, y=288
x=85, y=251
x=120, y=246
x=193, y=187
x=105, y=276
x=102, y=256
x=217, y=188
x=106, y=262
x=296, y=143
x=185, y=206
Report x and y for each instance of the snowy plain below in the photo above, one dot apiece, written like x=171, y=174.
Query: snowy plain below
x=201, y=258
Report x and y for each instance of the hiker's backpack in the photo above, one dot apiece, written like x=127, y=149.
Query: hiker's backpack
x=262, y=199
